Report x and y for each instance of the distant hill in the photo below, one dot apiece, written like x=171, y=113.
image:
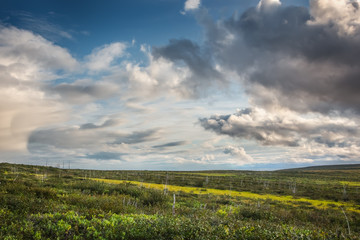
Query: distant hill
x=326, y=167
x=26, y=167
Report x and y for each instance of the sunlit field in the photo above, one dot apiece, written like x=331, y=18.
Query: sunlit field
x=51, y=203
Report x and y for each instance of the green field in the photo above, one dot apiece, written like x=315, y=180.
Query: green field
x=39, y=202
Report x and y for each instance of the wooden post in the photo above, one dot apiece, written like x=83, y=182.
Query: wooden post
x=173, y=207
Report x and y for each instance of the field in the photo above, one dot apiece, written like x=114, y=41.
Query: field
x=39, y=202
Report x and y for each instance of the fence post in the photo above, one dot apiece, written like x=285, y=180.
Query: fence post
x=173, y=207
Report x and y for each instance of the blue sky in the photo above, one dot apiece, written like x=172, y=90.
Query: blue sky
x=180, y=85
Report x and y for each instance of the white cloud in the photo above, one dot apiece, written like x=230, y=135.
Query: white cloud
x=268, y=5
x=341, y=14
x=239, y=153
x=27, y=62
x=160, y=76
x=191, y=5
x=103, y=57
x=21, y=47
x=207, y=158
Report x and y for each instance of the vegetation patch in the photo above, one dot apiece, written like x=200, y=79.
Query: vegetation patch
x=50, y=203
x=194, y=190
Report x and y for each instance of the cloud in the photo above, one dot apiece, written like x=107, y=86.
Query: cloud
x=196, y=59
x=283, y=128
x=40, y=25
x=299, y=67
x=342, y=16
x=239, y=153
x=84, y=91
x=32, y=52
x=106, y=124
x=86, y=138
x=27, y=63
x=191, y=5
x=160, y=77
x=170, y=144
x=103, y=57
x=289, y=52
x=207, y=158
x=105, y=156
x=289, y=129
x=277, y=52
x=268, y=5
x=137, y=137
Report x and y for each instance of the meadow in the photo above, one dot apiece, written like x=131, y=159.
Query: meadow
x=38, y=202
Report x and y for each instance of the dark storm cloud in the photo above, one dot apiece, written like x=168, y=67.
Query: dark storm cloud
x=170, y=144
x=287, y=31
x=292, y=57
x=311, y=54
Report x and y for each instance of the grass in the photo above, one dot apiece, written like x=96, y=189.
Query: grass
x=352, y=184
x=210, y=174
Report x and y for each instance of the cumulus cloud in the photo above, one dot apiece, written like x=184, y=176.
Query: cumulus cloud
x=239, y=153
x=160, y=77
x=314, y=134
x=343, y=16
x=284, y=128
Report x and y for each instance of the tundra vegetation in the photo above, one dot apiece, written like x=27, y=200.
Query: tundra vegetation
x=39, y=202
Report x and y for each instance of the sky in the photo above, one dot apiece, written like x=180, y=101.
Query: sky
x=180, y=84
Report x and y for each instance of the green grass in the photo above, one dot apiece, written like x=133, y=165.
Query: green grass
x=209, y=174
